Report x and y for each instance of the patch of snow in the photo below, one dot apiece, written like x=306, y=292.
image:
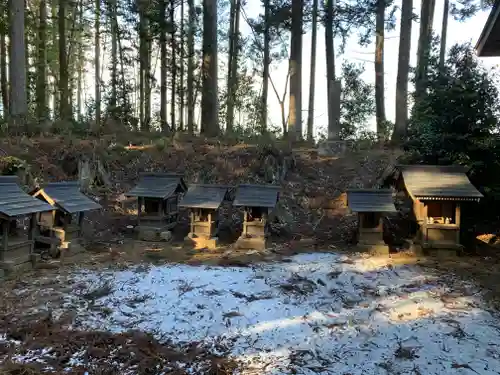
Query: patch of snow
x=316, y=314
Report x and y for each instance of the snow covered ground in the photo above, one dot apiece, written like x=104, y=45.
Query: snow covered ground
x=314, y=314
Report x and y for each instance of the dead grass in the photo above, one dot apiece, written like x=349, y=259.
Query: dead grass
x=12, y=368
x=100, y=346
x=102, y=352
x=405, y=353
x=99, y=292
x=298, y=285
x=490, y=239
x=174, y=252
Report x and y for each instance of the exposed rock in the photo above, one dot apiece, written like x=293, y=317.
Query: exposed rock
x=166, y=236
x=332, y=148
x=148, y=234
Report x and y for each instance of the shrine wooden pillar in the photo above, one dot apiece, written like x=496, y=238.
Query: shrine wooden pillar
x=5, y=238
x=33, y=228
x=81, y=216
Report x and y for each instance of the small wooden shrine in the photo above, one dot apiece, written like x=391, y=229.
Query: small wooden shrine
x=158, y=197
x=203, y=203
x=258, y=202
x=18, y=224
x=371, y=205
x=62, y=228
x=437, y=193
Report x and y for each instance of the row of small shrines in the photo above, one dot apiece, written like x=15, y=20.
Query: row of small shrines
x=160, y=197
x=56, y=211
x=437, y=195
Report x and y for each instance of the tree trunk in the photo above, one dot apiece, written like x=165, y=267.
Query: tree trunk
x=163, y=67
x=79, y=82
x=147, y=78
x=27, y=58
x=64, y=112
x=266, y=62
x=229, y=106
x=209, y=107
x=379, y=69
x=333, y=124
x=41, y=78
x=4, y=82
x=75, y=29
x=424, y=45
x=141, y=64
x=114, y=57
x=124, y=98
x=400, y=126
x=144, y=101
x=295, y=103
x=232, y=76
x=190, y=67
x=80, y=64
x=444, y=32
x=431, y=17
x=173, y=65
x=312, y=78
x=18, y=100
x=55, y=61
x=97, y=63
x=181, y=58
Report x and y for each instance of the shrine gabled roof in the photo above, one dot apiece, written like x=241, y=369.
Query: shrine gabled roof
x=67, y=196
x=15, y=202
x=488, y=43
x=438, y=182
x=205, y=196
x=158, y=185
x=370, y=200
x=249, y=195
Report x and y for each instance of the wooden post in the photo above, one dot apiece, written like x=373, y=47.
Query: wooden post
x=245, y=218
x=264, y=221
x=191, y=216
x=81, y=215
x=65, y=222
x=209, y=225
x=32, y=227
x=160, y=203
x=176, y=212
x=457, y=221
x=32, y=232
x=140, y=201
x=423, y=211
x=361, y=220
x=5, y=238
x=361, y=223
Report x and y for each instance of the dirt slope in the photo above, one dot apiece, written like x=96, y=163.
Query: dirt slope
x=312, y=199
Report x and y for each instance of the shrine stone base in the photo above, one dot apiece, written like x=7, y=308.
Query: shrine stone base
x=19, y=264
x=373, y=249
x=442, y=252
x=69, y=249
x=153, y=234
x=252, y=243
x=200, y=243
x=416, y=249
